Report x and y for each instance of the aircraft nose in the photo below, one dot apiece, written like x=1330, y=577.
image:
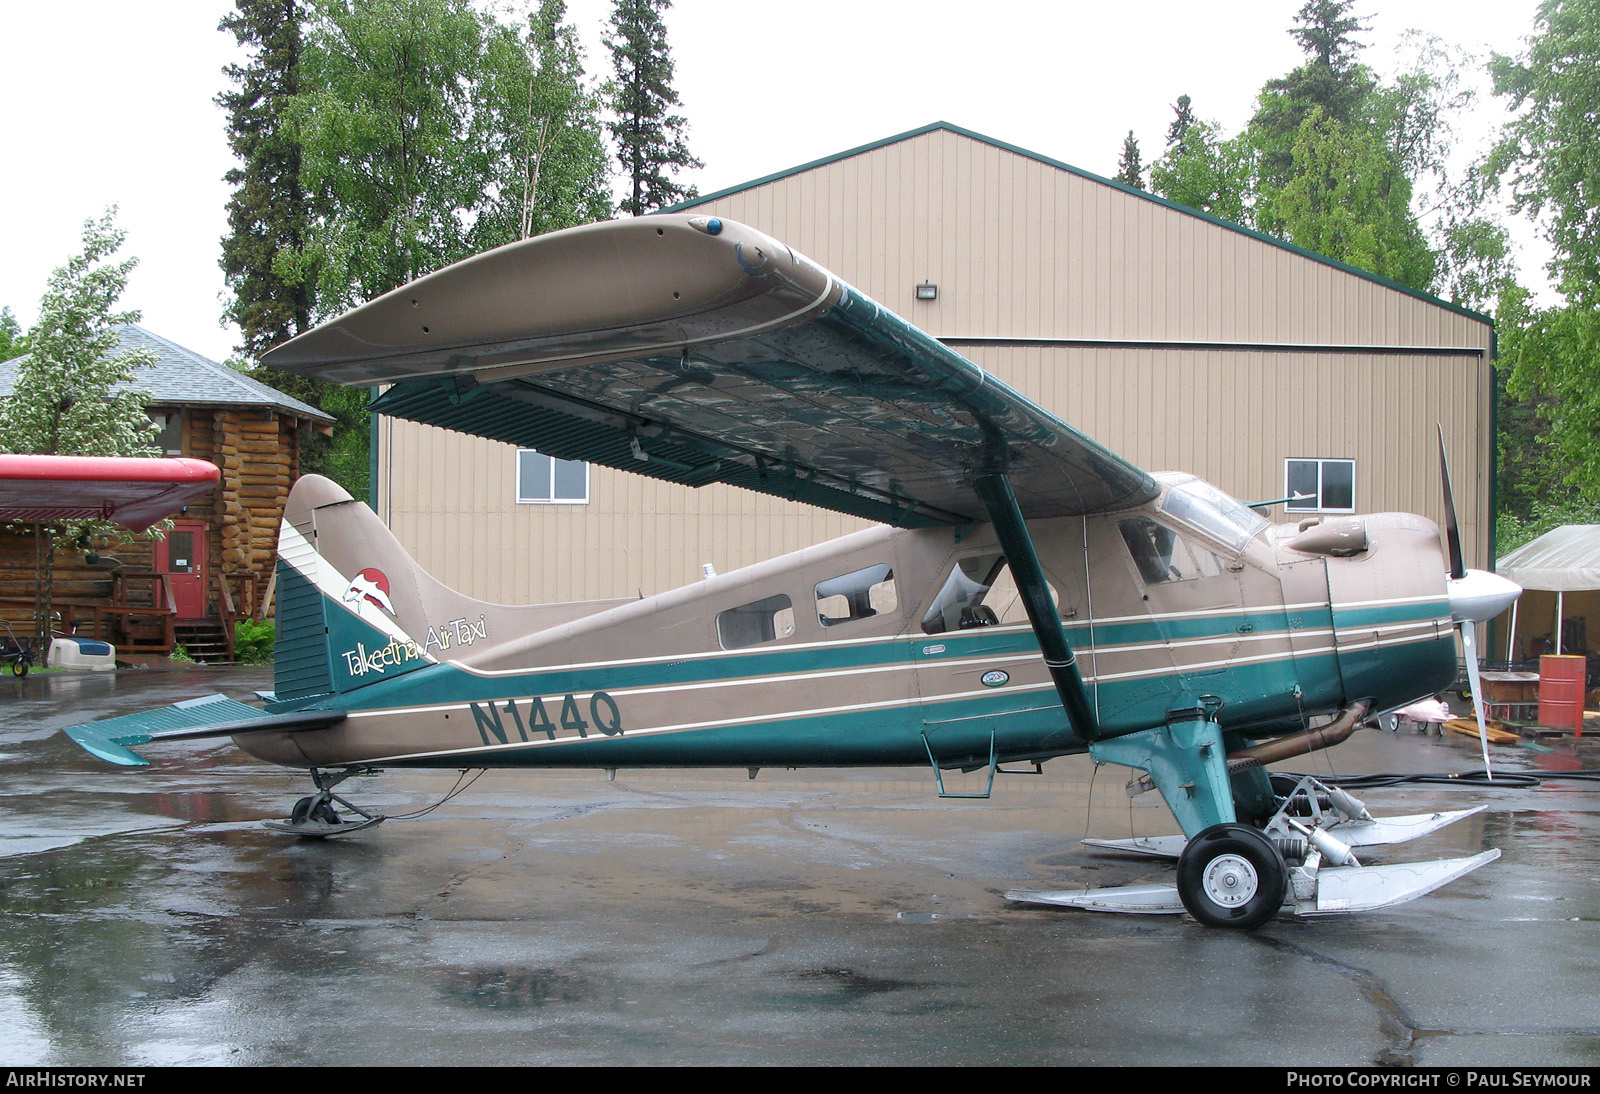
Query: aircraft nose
x=1479, y=596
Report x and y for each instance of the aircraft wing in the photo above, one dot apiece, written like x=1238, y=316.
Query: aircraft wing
x=698, y=350
x=134, y=492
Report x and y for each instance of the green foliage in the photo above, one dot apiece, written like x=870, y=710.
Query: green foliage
x=1550, y=151
x=1205, y=171
x=379, y=140
x=1346, y=198
x=541, y=123
x=649, y=137
x=180, y=654
x=1130, y=171
x=263, y=254
x=13, y=343
x=253, y=641
x=384, y=117
x=430, y=132
x=1549, y=154
x=1348, y=166
x=63, y=401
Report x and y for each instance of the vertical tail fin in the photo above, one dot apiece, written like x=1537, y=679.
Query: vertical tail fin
x=353, y=607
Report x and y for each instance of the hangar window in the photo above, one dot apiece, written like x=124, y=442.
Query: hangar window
x=857, y=595
x=1319, y=486
x=543, y=479
x=752, y=624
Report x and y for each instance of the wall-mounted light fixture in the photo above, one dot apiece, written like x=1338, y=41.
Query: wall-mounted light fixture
x=927, y=291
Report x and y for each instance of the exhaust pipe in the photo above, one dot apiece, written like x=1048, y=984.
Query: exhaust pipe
x=1299, y=744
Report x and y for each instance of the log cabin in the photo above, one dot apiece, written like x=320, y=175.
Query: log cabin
x=214, y=566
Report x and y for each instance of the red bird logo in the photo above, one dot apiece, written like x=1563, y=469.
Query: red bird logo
x=370, y=585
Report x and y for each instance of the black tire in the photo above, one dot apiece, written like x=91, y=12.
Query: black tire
x=301, y=811
x=323, y=811
x=19, y=667
x=1231, y=875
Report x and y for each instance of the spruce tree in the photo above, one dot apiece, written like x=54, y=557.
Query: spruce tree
x=1182, y=122
x=1130, y=171
x=263, y=254
x=650, y=138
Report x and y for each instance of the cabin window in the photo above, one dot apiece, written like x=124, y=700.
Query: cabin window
x=544, y=479
x=858, y=595
x=169, y=431
x=960, y=603
x=1319, y=486
x=980, y=592
x=1162, y=555
x=752, y=624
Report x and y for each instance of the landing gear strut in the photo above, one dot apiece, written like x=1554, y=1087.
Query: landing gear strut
x=314, y=816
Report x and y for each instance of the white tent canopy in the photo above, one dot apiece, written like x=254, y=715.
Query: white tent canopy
x=1562, y=561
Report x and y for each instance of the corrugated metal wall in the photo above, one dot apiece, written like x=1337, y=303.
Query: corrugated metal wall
x=1176, y=341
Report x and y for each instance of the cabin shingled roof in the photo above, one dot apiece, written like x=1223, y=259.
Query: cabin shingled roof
x=181, y=377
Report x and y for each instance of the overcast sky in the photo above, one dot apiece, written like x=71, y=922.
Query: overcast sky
x=106, y=101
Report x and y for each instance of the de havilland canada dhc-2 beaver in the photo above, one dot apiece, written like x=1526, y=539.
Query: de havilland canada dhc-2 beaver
x=1027, y=595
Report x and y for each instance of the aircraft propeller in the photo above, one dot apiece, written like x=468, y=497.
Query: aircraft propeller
x=1476, y=596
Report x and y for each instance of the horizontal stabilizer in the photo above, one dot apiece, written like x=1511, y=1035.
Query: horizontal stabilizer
x=208, y=716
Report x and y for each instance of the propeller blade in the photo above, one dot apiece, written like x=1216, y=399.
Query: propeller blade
x=1452, y=529
x=1469, y=646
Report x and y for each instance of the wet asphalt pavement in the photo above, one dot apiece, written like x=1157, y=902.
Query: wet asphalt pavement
x=808, y=917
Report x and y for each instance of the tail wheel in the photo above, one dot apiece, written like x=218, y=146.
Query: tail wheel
x=1231, y=875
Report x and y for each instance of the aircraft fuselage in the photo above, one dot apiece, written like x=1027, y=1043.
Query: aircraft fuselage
x=883, y=647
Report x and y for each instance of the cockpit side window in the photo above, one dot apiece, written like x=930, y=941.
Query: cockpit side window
x=860, y=594
x=1162, y=555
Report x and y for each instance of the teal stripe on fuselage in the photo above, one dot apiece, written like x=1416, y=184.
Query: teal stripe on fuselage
x=894, y=736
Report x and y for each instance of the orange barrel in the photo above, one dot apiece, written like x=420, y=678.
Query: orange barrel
x=1561, y=679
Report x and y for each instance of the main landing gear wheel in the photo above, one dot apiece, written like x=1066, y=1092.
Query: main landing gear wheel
x=1231, y=875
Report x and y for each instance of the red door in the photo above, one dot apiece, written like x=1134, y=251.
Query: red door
x=182, y=557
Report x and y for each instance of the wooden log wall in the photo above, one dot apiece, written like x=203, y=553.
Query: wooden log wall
x=258, y=452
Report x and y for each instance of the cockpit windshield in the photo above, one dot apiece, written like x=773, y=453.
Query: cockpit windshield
x=1203, y=506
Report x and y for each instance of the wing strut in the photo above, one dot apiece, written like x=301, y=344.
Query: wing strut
x=1012, y=531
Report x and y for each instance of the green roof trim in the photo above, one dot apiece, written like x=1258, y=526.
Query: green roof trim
x=1366, y=275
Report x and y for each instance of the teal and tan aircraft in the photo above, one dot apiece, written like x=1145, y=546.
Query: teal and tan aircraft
x=1027, y=595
